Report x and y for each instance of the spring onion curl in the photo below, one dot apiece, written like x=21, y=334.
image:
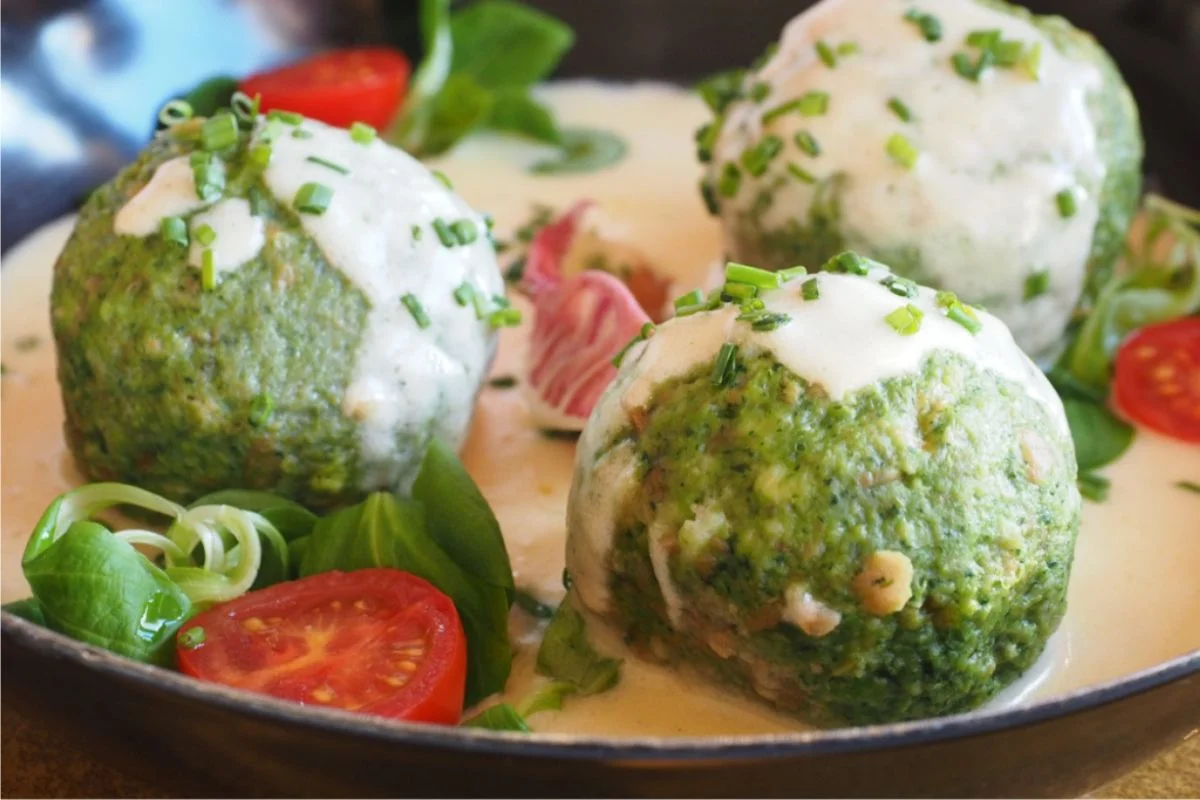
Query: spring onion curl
x=175, y=112
x=1161, y=282
x=212, y=552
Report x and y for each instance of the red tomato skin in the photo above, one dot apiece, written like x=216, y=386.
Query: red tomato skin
x=339, y=87
x=1157, y=379
x=237, y=652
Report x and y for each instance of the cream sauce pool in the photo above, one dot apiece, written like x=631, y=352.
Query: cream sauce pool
x=1134, y=600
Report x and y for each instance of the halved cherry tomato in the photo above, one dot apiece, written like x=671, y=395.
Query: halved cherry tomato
x=378, y=641
x=339, y=87
x=1157, y=381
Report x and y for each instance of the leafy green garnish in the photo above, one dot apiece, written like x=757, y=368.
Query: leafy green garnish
x=583, y=150
x=515, y=111
x=502, y=44
x=1187, y=486
x=27, y=609
x=532, y=606
x=1100, y=438
x=566, y=655
x=502, y=717
x=1094, y=486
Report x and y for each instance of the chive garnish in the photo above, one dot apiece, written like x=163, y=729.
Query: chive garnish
x=329, y=164
x=725, y=365
x=464, y=294
x=205, y=235
x=756, y=158
x=245, y=108
x=739, y=291
x=929, y=25
x=694, y=297
x=769, y=322
x=808, y=143
x=444, y=234
x=442, y=179
x=800, y=173
x=905, y=320
x=208, y=173
x=753, y=276
x=1008, y=54
x=257, y=201
x=647, y=330
x=709, y=195
x=1067, y=205
x=791, y=273
x=417, y=233
x=300, y=133
x=313, y=198
x=809, y=290
x=1037, y=284
x=1031, y=61
x=826, y=54
x=287, y=117
x=900, y=109
x=362, y=133
x=901, y=287
x=260, y=156
x=261, y=408
x=759, y=91
x=464, y=231
x=208, y=271
x=192, y=638
x=848, y=49
x=813, y=104
x=983, y=38
x=958, y=311
x=174, y=230
x=1188, y=486
x=219, y=132
x=847, y=262
x=417, y=310
x=730, y=180
x=902, y=151
x=175, y=112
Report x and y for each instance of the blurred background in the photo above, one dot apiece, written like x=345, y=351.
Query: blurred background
x=81, y=80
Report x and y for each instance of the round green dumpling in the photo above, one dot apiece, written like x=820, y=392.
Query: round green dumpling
x=973, y=146
x=856, y=504
x=277, y=315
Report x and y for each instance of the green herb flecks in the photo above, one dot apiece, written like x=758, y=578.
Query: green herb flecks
x=929, y=25
x=313, y=198
x=583, y=150
x=905, y=320
x=1188, y=486
x=810, y=289
x=902, y=151
x=1066, y=202
x=725, y=365
x=174, y=230
x=901, y=110
x=807, y=143
x=756, y=158
x=1037, y=284
x=261, y=409
x=730, y=180
x=826, y=53
x=208, y=173
x=413, y=304
x=362, y=133
x=338, y=168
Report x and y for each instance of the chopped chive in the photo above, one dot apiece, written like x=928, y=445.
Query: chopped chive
x=192, y=638
x=706, y=139
x=174, y=230
x=301, y=133
x=1188, y=486
x=501, y=301
x=963, y=315
x=901, y=287
x=482, y=306
x=810, y=290
x=219, y=132
x=929, y=25
x=739, y=291
x=208, y=173
x=900, y=109
x=1067, y=205
x=442, y=179
x=813, y=104
x=1031, y=61
x=945, y=299
x=791, y=273
x=287, y=117
x=730, y=181
x=848, y=49
x=245, y=108
x=261, y=408
x=965, y=67
x=753, y=276
x=905, y=320
x=725, y=365
x=205, y=235
x=983, y=39
x=208, y=271
x=329, y=164
x=847, y=262
x=1008, y=54
x=691, y=298
x=755, y=159
x=808, y=143
x=826, y=54
x=772, y=114
x=417, y=310
x=362, y=133
x=647, y=330
x=444, y=234
x=175, y=112
x=464, y=294
x=687, y=311
x=1094, y=486
x=759, y=91
x=417, y=233
x=464, y=231
x=912, y=15
x=313, y=198
x=502, y=382
x=260, y=156
x=709, y=195
x=902, y=151
x=257, y=201
x=800, y=173
x=769, y=322
x=1037, y=284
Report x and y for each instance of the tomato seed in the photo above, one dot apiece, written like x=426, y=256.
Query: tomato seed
x=254, y=624
x=323, y=694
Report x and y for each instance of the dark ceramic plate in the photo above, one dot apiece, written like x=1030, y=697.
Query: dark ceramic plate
x=81, y=81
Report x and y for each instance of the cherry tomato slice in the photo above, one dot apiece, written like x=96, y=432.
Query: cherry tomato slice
x=339, y=87
x=377, y=641
x=1157, y=380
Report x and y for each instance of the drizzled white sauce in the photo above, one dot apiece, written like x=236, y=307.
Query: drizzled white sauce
x=980, y=204
x=239, y=235
x=170, y=192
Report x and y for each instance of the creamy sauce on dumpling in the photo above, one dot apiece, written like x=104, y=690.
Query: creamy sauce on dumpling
x=980, y=203
x=170, y=192
x=238, y=235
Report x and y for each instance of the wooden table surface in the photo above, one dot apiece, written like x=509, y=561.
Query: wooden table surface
x=37, y=763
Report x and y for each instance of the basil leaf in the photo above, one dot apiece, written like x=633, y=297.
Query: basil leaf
x=514, y=111
x=502, y=717
x=385, y=532
x=1100, y=438
x=98, y=589
x=1094, y=487
x=461, y=107
x=566, y=655
x=503, y=44
x=546, y=698
x=27, y=609
x=583, y=150
x=460, y=520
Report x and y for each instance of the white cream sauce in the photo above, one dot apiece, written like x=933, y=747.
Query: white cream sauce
x=980, y=203
x=1134, y=600
x=239, y=235
x=170, y=192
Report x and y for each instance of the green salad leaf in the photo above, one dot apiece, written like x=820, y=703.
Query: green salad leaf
x=566, y=655
x=98, y=589
x=503, y=44
x=516, y=112
x=583, y=150
x=27, y=609
x=460, y=107
x=1100, y=438
x=502, y=717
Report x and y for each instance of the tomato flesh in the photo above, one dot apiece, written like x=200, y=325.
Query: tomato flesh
x=339, y=87
x=1157, y=383
x=377, y=641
